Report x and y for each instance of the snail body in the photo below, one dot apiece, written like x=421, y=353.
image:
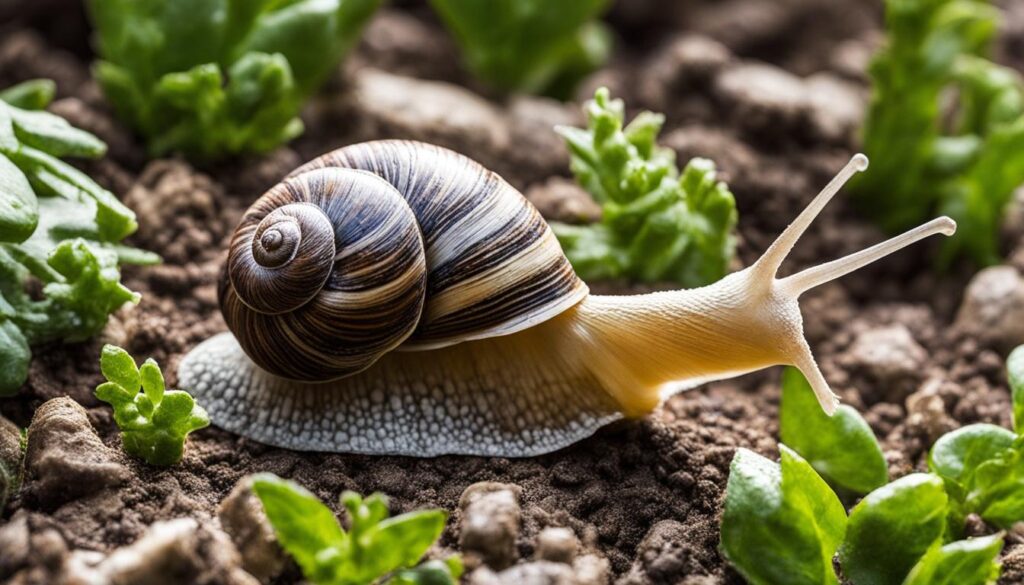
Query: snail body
x=397, y=298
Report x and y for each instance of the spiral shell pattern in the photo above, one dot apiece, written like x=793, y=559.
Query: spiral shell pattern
x=494, y=266
x=383, y=244
x=325, y=274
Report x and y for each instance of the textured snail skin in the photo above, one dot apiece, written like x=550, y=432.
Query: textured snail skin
x=549, y=372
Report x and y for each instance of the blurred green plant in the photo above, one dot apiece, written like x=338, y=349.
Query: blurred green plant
x=534, y=46
x=657, y=224
x=59, y=234
x=211, y=78
x=945, y=127
x=376, y=549
x=155, y=422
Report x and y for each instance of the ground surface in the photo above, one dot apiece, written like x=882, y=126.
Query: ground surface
x=888, y=338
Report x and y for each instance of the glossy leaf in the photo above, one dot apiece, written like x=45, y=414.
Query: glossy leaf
x=891, y=528
x=781, y=523
x=376, y=548
x=841, y=447
x=965, y=562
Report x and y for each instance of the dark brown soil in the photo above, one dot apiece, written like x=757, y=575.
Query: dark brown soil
x=613, y=488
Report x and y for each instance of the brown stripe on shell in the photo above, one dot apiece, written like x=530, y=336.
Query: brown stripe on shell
x=494, y=266
x=368, y=301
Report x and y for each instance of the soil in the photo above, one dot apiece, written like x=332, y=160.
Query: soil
x=733, y=79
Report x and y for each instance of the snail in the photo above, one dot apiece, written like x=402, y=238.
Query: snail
x=396, y=297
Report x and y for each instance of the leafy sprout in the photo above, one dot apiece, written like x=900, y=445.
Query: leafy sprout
x=155, y=422
x=212, y=78
x=535, y=46
x=60, y=233
x=657, y=224
x=929, y=155
x=376, y=549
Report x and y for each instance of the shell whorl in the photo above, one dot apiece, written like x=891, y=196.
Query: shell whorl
x=429, y=249
x=325, y=273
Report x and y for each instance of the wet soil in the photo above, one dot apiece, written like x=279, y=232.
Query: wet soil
x=773, y=147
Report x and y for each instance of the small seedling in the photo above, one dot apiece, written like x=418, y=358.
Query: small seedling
x=60, y=233
x=212, y=79
x=533, y=46
x=155, y=422
x=657, y=224
x=376, y=549
x=962, y=157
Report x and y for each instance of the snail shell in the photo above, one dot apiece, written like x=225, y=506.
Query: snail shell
x=384, y=245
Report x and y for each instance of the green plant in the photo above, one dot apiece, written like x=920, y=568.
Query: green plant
x=155, y=422
x=1015, y=376
x=59, y=235
x=219, y=77
x=657, y=224
x=376, y=549
x=781, y=523
x=778, y=516
x=841, y=447
x=929, y=155
x=534, y=46
x=782, y=526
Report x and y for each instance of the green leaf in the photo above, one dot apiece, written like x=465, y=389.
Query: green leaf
x=656, y=225
x=1015, y=374
x=303, y=525
x=176, y=406
x=931, y=155
x=402, y=541
x=965, y=562
x=957, y=454
x=52, y=134
x=14, y=358
x=431, y=573
x=781, y=523
x=34, y=94
x=153, y=381
x=527, y=45
x=119, y=367
x=214, y=78
x=997, y=493
x=891, y=528
x=841, y=447
x=19, y=209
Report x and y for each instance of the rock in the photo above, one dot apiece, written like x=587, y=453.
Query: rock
x=736, y=163
x=685, y=64
x=533, y=573
x=993, y=308
x=431, y=111
x=490, y=522
x=890, y=358
x=33, y=551
x=65, y=459
x=926, y=411
x=837, y=108
x=669, y=552
x=591, y=570
x=10, y=460
x=536, y=151
x=557, y=545
x=764, y=100
x=562, y=199
x=243, y=519
x=174, y=552
x=587, y=570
